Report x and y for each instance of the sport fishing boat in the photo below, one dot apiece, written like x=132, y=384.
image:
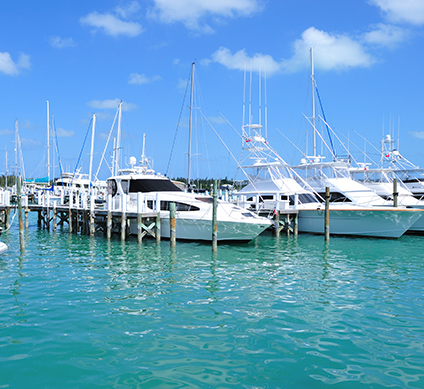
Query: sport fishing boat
x=193, y=211
x=274, y=185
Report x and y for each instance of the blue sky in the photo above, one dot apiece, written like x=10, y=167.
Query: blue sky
x=86, y=56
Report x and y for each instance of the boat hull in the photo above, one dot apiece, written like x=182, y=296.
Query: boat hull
x=192, y=229
x=380, y=223
x=3, y=247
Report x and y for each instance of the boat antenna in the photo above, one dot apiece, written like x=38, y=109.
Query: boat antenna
x=313, y=119
x=92, y=147
x=190, y=127
x=260, y=99
x=266, y=108
x=48, y=142
x=118, y=139
x=244, y=94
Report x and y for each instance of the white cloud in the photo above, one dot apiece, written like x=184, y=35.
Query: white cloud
x=241, y=61
x=331, y=52
x=30, y=143
x=127, y=11
x=9, y=67
x=60, y=43
x=386, y=35
x=111, y=104
x=111, y=24
x=408, y=11
x=192, y=12
x=140, y=79
x=61, y=133
x=6, y=132
x=417, y=134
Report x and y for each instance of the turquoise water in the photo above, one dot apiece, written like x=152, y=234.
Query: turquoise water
x=81, y=312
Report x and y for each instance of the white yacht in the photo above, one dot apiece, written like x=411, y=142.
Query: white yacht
x=274, y=185
x=193, y=211
x=3, y=247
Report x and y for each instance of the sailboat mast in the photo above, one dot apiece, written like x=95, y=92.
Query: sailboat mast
x=92, y=147
x=48, y=143
x=190, y=126
x=53, y=147
x=118, y=139
x=313, y=119
x=5, y=183
x=16, y=148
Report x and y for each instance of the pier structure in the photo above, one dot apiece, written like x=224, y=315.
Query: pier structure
x=285, y=217
x=85, y=214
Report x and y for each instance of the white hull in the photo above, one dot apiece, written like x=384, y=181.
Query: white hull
x=3, y=247
x=192, y=229
x=372, y=222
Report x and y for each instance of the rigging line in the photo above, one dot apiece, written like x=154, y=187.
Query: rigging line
x=82, y=148
x=178, y=124
x=342, y=144
x=293, y=144
x=230, y=125
x=58, y=153
x=325, y=120
x=322, y=139
x=104, y=150
x=229, y=151
x=369, y=143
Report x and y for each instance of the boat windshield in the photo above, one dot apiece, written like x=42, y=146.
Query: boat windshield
x=152, y=185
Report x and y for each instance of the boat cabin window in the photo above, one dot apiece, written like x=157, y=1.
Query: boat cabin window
x=164, y=206
x=336, y=197
x=124, y=186
x=304, y=198
x=152, y=185
x=112, y=187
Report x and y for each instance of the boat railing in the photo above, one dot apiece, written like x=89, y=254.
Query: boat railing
x=134, y=202
x=262, y=202
x=5, y=198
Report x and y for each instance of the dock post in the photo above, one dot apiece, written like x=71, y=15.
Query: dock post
x=26, y=213
x=327, y=215
x=157, y=218
x=139, y=219
x=277, y=223
x=92, y=203
x=54, y=216
x=288, y=225
x=296, y=224
x=123, y=217
x=71, y=198
x=109, y=217
x=47, y=220
x=21, y=225
x=395, y=193
x=7, y=211
x=214, y=218
x=172, y=234
x=296, y=218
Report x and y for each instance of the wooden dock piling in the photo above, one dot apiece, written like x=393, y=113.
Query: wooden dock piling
x=172, y=235
x=214, y=218
x=395, y=193
x=327, y=215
